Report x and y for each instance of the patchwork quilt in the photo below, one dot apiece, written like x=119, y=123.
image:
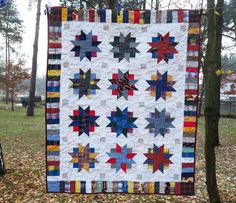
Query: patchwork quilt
x=122, y=90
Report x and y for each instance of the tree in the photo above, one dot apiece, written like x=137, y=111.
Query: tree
x=30, y=108
x=133, y=4
x=13, y=76
x=230, y=20
x=127, y=4
x=218, y=48
x=11, y=31
x=73, y=3
x=211, y=122
x=111, y=4
x=2, y=166
x=203, y=37
x=79, y=3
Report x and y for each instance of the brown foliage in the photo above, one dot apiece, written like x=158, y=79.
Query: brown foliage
x=14, y=74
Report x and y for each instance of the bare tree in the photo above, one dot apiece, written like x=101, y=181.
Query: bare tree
x=30, y=109
x=218, y=47
x=211, y=123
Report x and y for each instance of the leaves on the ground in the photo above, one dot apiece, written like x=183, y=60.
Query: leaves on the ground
x=25, y=162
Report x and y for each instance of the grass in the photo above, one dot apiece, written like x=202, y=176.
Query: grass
x=22, y=131
x=23, y=140
x=227, y=129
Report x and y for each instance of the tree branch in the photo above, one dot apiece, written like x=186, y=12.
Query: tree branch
x=233, y=38
x=229, y=28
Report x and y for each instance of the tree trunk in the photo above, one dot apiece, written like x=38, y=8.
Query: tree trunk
x=234, y=19
x=157, y=4
x=203, y=38
x=100, y=4
x=81, y=6
x=200, y=99
x=144, y=5
x=30, y=108
x=12, y=99
x=111, y=4
x=2, y=166
x=218, y=47
x=7, y=61
x=211, y=79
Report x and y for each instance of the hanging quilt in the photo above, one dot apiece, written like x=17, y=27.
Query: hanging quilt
x=122, y=90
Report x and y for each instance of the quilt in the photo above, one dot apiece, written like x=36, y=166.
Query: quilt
x=121, y=101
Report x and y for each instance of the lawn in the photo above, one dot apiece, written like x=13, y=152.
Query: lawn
x=23, y=141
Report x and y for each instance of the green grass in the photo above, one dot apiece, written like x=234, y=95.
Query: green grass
x=20, y=131
x=28, y=132
x=23, y=140
x=227, y=129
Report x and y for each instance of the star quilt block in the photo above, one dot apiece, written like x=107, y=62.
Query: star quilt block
x=163, y=47
x=85, y=45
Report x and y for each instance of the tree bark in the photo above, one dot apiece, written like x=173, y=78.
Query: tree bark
x=7, y=61
x=144, y=5
x=100, y=4
x=211, y=79
x=2, y=166
x=200, y=99
x=157, y=4
x=201, y=57
x=111, y=4
x=30, y=109
x=12, y=99
x=234, y=27
x=218, y=47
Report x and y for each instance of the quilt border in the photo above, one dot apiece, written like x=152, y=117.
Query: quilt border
x=56, y=15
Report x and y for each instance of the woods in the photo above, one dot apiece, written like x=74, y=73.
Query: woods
x=11, y=31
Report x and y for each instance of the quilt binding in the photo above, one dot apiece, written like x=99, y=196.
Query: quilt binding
x=57, y=15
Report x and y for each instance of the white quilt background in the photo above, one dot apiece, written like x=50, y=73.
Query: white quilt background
x=103, y=102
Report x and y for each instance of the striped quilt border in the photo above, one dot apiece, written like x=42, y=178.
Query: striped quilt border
x=56, y=16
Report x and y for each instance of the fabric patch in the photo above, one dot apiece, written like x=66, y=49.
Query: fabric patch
x=122, y=122
x=84, y=83
x=84, y=120
x=124, y=47
x=83, y=157
x=121, y=158
x=163, y=47
x=158, y=158
x=123, y=84
x=159, y=122
x=161, y=86
x=86, y=45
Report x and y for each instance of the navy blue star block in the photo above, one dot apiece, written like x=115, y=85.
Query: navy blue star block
x=84, y=120
x=122, y=122
x=161, y=85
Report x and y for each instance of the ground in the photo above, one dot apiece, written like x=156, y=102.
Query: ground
x=23, y=142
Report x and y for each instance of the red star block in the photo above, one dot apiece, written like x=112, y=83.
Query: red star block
x=158, y=158
x=163, y=47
